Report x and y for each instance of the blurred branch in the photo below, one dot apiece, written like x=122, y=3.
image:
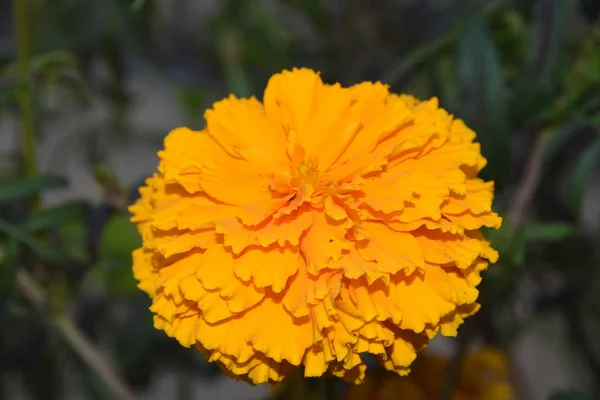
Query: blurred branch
x=25, y=96
x=526, y=188
x=78, y=342
x=517, y=213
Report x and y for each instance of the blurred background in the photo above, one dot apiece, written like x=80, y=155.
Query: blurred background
x=89, y=89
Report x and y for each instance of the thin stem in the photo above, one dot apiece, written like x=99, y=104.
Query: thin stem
x=528, y=185
x=76, y=340
x=329, y=389
x=25, y=96
x=452, y=373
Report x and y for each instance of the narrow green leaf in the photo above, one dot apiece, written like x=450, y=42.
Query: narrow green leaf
x=549, y=58
x=54, y=216
x=573, y=394
x=26, y=187
x=137, y=5
x=8, y=254
x=427, y=50
x=486, y=94
x=588, y=160
x=44, y=250
x=550, y=231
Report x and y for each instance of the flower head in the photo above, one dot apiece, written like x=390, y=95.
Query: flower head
x=320, y=224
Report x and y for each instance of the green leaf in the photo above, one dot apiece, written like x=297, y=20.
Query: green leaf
x=572, y=394
x=44, y=250
x=485, y=89
x=549, y=58
x=8, y=254
x=426, y=51
x=559, y=139
x=230, y=47
x=119, y=239
x=511, y=245
x=134, y=340
x=450, y=96
x=73, y=236
x=54, y=216
x=550, y=231
x=137, y=5
x=26, y=187
x=580, y=178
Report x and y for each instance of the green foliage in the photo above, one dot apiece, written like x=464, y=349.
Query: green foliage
x=19, y=189
x=485, y=88
x=580, y=178
x=570, y=395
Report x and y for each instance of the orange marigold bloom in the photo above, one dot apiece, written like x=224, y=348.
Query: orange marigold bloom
x=320, y=224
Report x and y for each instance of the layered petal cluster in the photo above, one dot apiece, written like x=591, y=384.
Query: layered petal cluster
x=312, y=227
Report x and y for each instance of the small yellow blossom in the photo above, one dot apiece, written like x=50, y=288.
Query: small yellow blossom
x=316, y=225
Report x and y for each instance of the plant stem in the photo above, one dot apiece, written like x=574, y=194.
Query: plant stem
x=76, y=340
x=329, y=389
x=531, y=178
x=25, y=96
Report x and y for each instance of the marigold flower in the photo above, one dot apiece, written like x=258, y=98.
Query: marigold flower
x=316, y=225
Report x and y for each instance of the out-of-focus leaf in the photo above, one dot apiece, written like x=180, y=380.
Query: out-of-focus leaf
x=580, y=177
x=25, y=187
x=450, y=96
x=425, y=51
x=573, y=394
x=135, y=340
x=119, y=239
x=54, y=59
x=54, y=216
x=44, y=250
x=94, y=387
x=230, y=50
x=550, y=231
x=8, y=253
x=72, y=236
x=96, y=221
x=116, y=277
x=109, y=183
x=510, y=244
x=548, y=58
x=42, y=375
x=590, y=9
x=192, y=102
x=486, y=106
x=559, y=140
x=137, y=5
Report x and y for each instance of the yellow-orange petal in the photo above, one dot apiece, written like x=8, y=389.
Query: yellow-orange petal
x=393, y=251
x=287, y=229
x=324, y=242
x=267, y=266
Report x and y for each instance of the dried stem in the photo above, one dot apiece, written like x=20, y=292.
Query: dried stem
x=24, y=93
x=526, y=189
x=73, y=336
x=517, y=213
